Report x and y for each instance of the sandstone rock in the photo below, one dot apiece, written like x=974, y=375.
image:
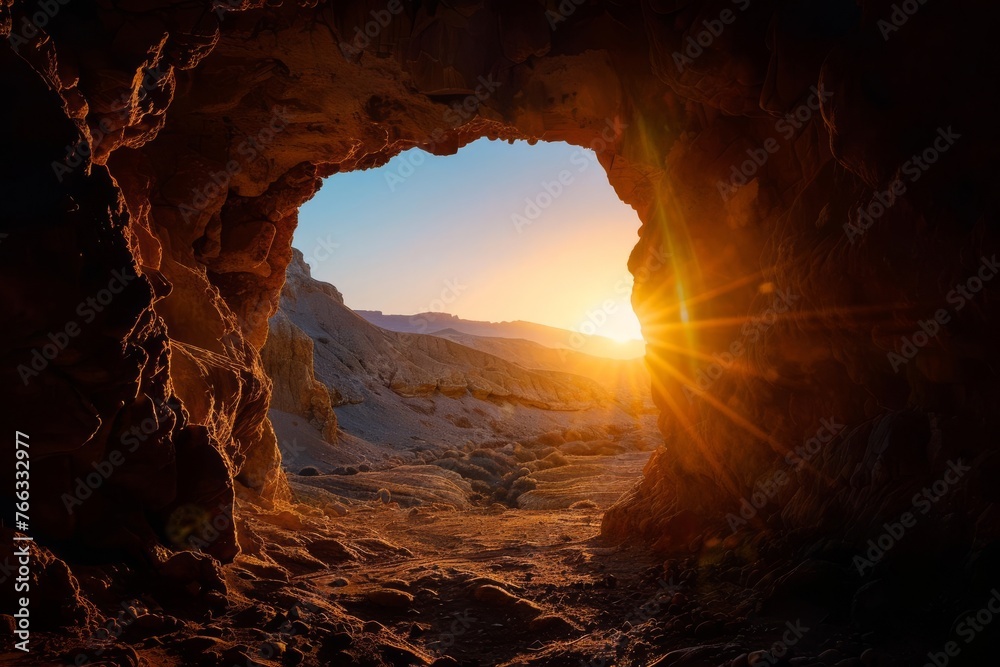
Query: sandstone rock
x=551, y=624
x=495, y=595
x=292, y=657
x=390, y=598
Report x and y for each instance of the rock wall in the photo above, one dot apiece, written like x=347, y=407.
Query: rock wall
x=176, y=141
x=288, y=360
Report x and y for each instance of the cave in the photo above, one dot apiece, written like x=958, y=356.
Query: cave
x=813, y=276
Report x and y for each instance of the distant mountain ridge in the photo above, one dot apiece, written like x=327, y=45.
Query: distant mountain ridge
x=551, y=337
x=345, y=390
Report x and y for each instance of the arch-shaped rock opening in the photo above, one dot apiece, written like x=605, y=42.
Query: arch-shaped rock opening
x=819, y=174
x=491, y=377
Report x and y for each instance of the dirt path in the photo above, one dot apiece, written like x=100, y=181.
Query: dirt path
x=505, y=587
x=494, y=587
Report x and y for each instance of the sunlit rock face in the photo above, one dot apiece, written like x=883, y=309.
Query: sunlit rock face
x=288, y=360
x=175, y=143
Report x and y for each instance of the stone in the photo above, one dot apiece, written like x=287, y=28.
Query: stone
x=495, y=595
x=551, y=624
x=390, y=598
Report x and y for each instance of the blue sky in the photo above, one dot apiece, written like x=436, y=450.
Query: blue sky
x=489, y=234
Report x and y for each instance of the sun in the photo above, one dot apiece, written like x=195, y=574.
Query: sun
x=622, y=338
x=624, y=328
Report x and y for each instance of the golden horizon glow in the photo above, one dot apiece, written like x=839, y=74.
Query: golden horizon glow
x=458, y=236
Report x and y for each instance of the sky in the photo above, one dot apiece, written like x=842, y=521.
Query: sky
x=497, y=232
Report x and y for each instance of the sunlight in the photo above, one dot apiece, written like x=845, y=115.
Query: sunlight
x=627, y=337
x=497, y=232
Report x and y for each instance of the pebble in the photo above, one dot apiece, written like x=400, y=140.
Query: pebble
x=830, y=656
x=212, y=630
x=740, y=661
x=198, y=643
x=551, y=623
x=706, y=630
x=373, y=627
x=341, y=640
x=397, y=584
x=390, y=598
x=236, y=655
x=292, y=657
x=495, y=595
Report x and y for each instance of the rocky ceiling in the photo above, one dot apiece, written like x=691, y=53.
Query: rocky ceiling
x=816, y=182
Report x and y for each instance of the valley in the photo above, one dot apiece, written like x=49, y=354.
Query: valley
x=362, y=413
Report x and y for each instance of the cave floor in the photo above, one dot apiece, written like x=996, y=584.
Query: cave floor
x=387, y=585
x=509, y=587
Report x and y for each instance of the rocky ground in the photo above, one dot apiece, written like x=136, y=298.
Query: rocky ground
x=375, y=583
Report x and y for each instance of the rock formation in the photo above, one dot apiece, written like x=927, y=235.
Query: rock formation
x=358, y=359
x=816, y=185
x=472, y=416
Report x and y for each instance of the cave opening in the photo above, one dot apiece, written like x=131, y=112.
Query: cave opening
x=471, y=330
x=727, y=552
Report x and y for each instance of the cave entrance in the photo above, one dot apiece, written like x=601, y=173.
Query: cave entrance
x=472, y=337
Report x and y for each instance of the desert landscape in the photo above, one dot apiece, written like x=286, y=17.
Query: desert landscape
x=367, y=413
